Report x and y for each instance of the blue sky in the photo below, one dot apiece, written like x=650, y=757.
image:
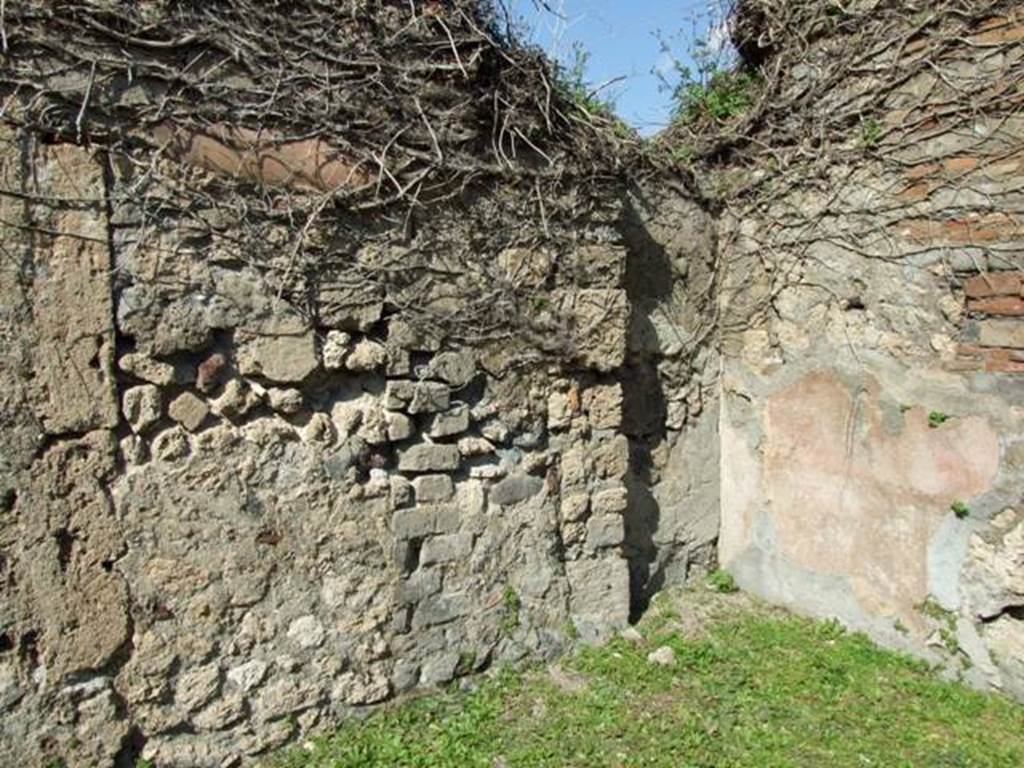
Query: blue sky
x=622, y=37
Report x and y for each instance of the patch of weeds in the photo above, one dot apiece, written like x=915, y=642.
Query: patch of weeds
x=466, y=664
x=571, y=79
x=722, y=581
x=144, y=763
x=870, y=133
x=510, y=604
x=946, y=620
x=570, y=630
x=960, y=509
x=937, y=418
x=722, y=95
x=831, y=629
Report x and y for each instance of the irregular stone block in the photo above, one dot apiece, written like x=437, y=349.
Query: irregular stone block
x=599, y=596
x=429, y=457
x=1001, y=333
x=605, y=531
x=142, y=407
x=454, y=368
x=611, y=458
x=367, y=355
x=279, y=358
x=610, y=501
x=603, y=405
x=399, y=426
x=441, y=609
x=146, y=368
x=598, y=323
x=475, y=446
x=287, y=401
x=429, y=397
x=236, y=400
x=189, y=411
x=452, y=422
x=575, y=507
x=559, y=411
x=515, y=488
x=433, y=488
x=307, y=631
x=420, y=585
x=401, y=491
x=336, y=347
x=210, y=372
x=439, y=668
x=398, y=393
x=249, y=675
x=421, y=521
x=523, y=266
x=444, y=549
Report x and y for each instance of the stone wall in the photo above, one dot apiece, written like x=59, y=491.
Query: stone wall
x=871, y=421
x=228, y=520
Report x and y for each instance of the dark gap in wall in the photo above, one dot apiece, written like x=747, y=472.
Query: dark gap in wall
x=65, y=545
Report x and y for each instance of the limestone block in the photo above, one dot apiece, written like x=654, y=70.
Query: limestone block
x=429, y=397
x=72, y=309
x=429, y=457
x=598, y=321
x=399, y=426
x=575, y=507
x=425, y=520
x=610, y=501
x=444, y=549
x=605, y=531
x=366, y=355
x=142, y=406
x=515, y=488
x=603, y=405
x=146, y=368
x=398, y=394
x=306, y=631
x=236, y=400
x=611, y=458
x=451, y=422
x=401, y=491
x=456, y=369
x=433, y=488
x=336, y=347
x=188, y=410
x=599, y=596
x=287, y=401
x=279, y=358
x=249, y=675
x=443, y=608
x=475, y=446
x=1001, y=333
x=197, y=687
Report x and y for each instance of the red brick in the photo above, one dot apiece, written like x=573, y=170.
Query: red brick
x=999, y=30
x=998, y=305
x=987, y=228
x=994, y=284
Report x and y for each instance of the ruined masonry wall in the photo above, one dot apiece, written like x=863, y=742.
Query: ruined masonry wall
x=224, y=526
x=872, y=423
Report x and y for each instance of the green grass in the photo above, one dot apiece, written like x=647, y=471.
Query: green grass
x=749, y=689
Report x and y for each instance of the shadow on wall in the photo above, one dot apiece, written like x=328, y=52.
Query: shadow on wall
x=649, y=280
